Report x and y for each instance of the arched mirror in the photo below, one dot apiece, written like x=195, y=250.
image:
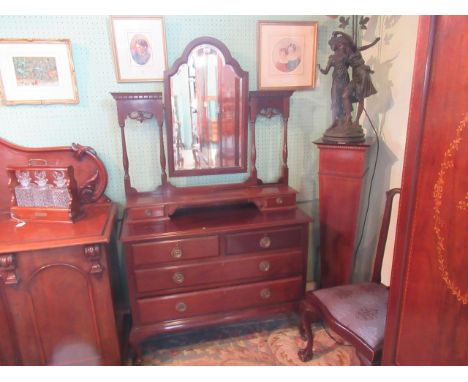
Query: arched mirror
x=206, y=95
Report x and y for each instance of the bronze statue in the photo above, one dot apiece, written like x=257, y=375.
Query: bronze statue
x=345, y=92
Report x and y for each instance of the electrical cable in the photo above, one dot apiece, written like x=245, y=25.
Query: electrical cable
x=370, y=187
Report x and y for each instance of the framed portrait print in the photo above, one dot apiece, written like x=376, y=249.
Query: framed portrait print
x=139, y=46
x=37, y=72
x=286, y=54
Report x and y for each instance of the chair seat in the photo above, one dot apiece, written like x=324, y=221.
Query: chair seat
x=361, y=308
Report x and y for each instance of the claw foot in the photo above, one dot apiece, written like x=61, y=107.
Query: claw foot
x=305, y=354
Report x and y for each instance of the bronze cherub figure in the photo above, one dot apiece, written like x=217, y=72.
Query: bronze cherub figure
x=346, y=91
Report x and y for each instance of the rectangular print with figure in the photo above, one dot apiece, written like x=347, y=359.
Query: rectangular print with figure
x=37, y=72
x=139, y=46
x=286, y=54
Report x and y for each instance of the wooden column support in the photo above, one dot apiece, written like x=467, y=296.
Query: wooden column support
x=269, y=104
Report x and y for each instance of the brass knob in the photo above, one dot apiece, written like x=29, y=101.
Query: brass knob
x=176, y=252
x=181, y=307
x=265, y=242
x=147, y=213
x=265, y=293
x=264, y=266
x=279, y=200
x=178, y=278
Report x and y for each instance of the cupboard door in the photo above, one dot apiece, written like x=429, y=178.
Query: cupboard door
x=427, y=322
x=9, y=353
x=61, y=307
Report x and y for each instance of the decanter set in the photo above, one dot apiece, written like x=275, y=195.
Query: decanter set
x=40, y=193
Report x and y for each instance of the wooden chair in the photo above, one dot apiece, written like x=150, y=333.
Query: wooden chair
x=356, y=312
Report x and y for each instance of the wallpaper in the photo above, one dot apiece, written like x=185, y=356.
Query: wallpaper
x=93, y=121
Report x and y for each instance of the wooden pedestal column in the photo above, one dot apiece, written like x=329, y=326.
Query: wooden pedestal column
x=342, y=170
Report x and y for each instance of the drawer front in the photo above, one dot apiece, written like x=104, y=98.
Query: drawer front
x=173, y=250
x=281, y=201
x=263, y=240
x=150, y=212
x=223, y=271
x=219, y=300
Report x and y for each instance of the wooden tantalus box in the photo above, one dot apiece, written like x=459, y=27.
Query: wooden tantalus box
x=43, y=193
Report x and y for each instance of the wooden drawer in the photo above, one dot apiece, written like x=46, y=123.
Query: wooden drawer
x=172, y=250
x=143, y=213
x=281, y=201
x=220, y=271
x=263, y=240
x=219, y=300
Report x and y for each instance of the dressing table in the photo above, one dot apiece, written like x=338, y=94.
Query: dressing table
x=214, y=254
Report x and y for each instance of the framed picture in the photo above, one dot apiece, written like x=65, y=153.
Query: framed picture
x=286, y=54
x=37, y=72
x=139, y=46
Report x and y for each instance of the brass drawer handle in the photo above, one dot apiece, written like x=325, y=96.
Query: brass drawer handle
x=181, y=307
x=265, y=242
x=264, y=266
x=178, y=278
x=147, y=213
x=176, y=252
x=265, y=293
x=279, y=200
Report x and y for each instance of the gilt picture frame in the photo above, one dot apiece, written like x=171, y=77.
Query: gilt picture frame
x=139, y=48
x=286, y=55
x=34, y=71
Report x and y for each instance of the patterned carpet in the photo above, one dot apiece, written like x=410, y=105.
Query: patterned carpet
x=262, y=343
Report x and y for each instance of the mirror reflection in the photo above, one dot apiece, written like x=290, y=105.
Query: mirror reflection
x=205, y=99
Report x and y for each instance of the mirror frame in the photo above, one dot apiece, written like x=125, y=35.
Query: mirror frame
x=243, y=118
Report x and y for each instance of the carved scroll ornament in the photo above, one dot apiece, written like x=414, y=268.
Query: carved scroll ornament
x=93, y=255
x=93, y=188
x=8, y=270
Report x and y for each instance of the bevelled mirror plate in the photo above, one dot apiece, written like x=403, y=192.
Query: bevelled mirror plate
x=206, y=111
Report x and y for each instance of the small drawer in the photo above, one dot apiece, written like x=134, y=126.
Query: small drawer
x=263, y=240
x=278, y=265
x=219, y=300
x=143, y=213
x=281, y=201
x=171, y=250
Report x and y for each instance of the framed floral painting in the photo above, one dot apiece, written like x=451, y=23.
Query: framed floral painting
x=286, y=54
x=37, y=72
x=139, y=46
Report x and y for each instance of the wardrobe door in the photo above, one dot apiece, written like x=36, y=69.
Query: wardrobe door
x=427, y=322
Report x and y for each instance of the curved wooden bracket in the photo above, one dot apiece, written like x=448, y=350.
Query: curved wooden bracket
x=269, y=112
x=8, y=270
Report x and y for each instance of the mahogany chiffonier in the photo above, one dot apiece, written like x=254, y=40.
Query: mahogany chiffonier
x=203, y=255
x=56, y=305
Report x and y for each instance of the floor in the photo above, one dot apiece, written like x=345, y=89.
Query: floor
x=274, y=341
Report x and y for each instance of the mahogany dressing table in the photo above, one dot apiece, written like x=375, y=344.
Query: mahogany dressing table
x=197, y=256
x=56, y=305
